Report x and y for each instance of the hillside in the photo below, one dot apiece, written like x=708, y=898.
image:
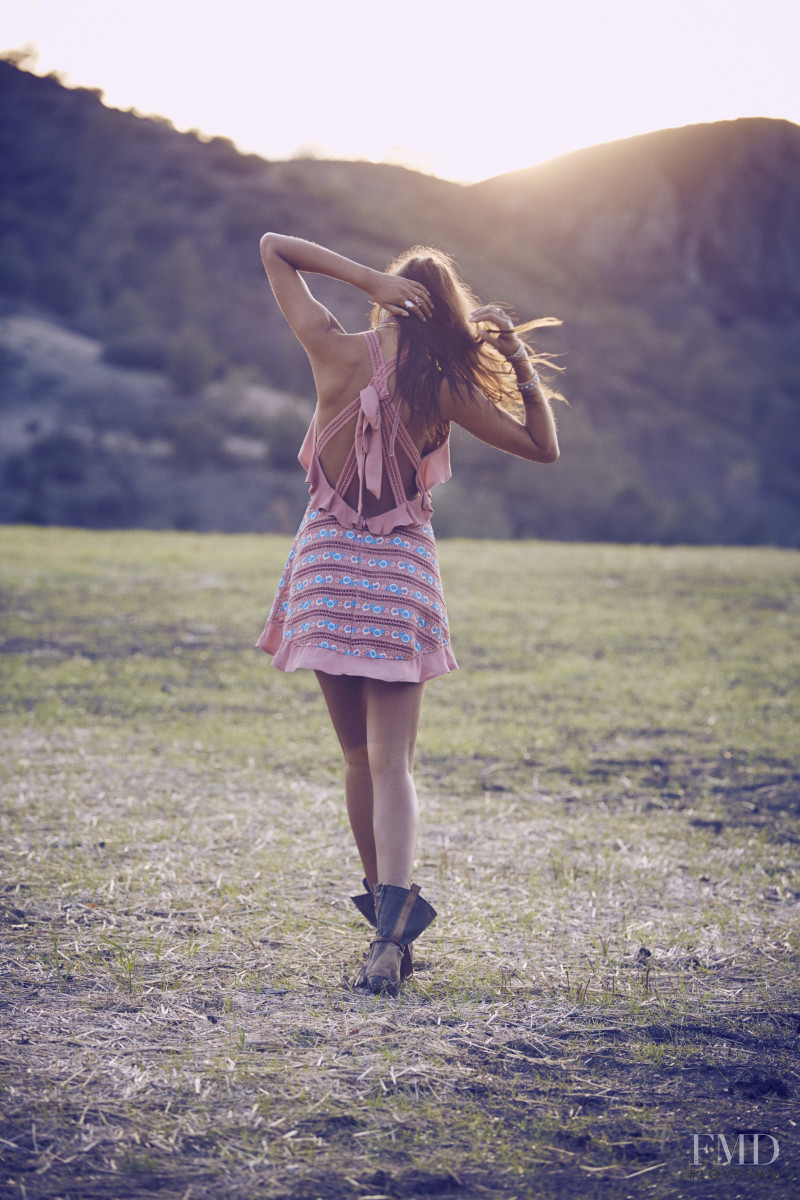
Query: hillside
x=674, y=260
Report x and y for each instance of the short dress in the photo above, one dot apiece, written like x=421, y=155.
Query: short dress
x=362, y=595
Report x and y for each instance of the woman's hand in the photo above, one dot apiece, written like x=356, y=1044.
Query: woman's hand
x=400, y=297
x=498, y=329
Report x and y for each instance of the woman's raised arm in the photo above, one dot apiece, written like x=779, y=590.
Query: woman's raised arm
x=536, y=438
x=285, y=257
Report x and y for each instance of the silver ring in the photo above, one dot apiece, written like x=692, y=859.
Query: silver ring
x=409, y=303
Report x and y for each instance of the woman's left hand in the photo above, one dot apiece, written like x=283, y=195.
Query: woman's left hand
x=498, y=329
x=401, y=297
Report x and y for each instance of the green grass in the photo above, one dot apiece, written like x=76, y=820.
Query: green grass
x=610, y=791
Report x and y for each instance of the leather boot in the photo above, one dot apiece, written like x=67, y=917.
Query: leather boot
x=402, y=915
x=365, y=903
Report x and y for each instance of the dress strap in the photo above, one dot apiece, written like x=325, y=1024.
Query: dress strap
x=337, y=423
x=407, y=442
x=380, y=374
x=373, y=341
x=382, y=367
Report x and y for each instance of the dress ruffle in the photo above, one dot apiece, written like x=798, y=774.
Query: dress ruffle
x=293, y=658
x=433, y=469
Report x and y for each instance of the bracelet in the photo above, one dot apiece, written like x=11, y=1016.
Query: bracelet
x=520, y=352
x=529, y=384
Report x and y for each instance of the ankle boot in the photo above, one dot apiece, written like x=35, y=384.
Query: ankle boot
x=365, y=903
x=402, y=915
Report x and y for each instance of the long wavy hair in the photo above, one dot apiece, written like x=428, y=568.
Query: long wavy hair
x=448, y=345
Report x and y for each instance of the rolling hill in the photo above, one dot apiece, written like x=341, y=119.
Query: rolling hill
x=146, y=377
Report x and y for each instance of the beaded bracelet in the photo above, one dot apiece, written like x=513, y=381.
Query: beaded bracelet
x=529, y=384
x=520, y=352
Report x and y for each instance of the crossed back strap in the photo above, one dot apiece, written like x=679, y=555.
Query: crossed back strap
x=378, y=431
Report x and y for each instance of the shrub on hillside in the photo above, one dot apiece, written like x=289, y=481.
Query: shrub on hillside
x=143, y=350
x=284, y=435
x=126, y=315
x=59, y=287
x=197, y=441
x=191, y=361
x=16, y=270
x=57, y=458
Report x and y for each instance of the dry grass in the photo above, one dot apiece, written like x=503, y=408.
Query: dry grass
x=614, y=967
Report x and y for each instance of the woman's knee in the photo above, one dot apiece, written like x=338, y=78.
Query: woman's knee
x=356, y=756
x=389, y=763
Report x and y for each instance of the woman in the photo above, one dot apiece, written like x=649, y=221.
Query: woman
x=360, y=601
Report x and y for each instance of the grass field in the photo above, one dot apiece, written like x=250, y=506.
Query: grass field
x=611, y=820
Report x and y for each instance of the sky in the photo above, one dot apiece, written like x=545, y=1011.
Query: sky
x=464, y=90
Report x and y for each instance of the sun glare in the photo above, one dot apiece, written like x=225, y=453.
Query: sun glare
x=442, y=86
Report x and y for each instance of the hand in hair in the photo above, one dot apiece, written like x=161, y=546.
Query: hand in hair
x=498, y=329
x=391, y=292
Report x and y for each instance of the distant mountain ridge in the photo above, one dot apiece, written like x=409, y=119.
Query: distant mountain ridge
x=718, y=200
x=673, y=259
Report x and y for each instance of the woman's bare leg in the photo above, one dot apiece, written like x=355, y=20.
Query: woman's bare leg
x=393, y=712
x=346, y=700
x=376, y=723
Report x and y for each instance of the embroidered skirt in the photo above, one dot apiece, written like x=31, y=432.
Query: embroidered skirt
x=351, y=602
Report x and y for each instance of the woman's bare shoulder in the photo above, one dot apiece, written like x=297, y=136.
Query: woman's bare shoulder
x=341, y=370
x=339, y=354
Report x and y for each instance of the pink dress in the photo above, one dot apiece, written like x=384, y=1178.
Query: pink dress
x=361, y=595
